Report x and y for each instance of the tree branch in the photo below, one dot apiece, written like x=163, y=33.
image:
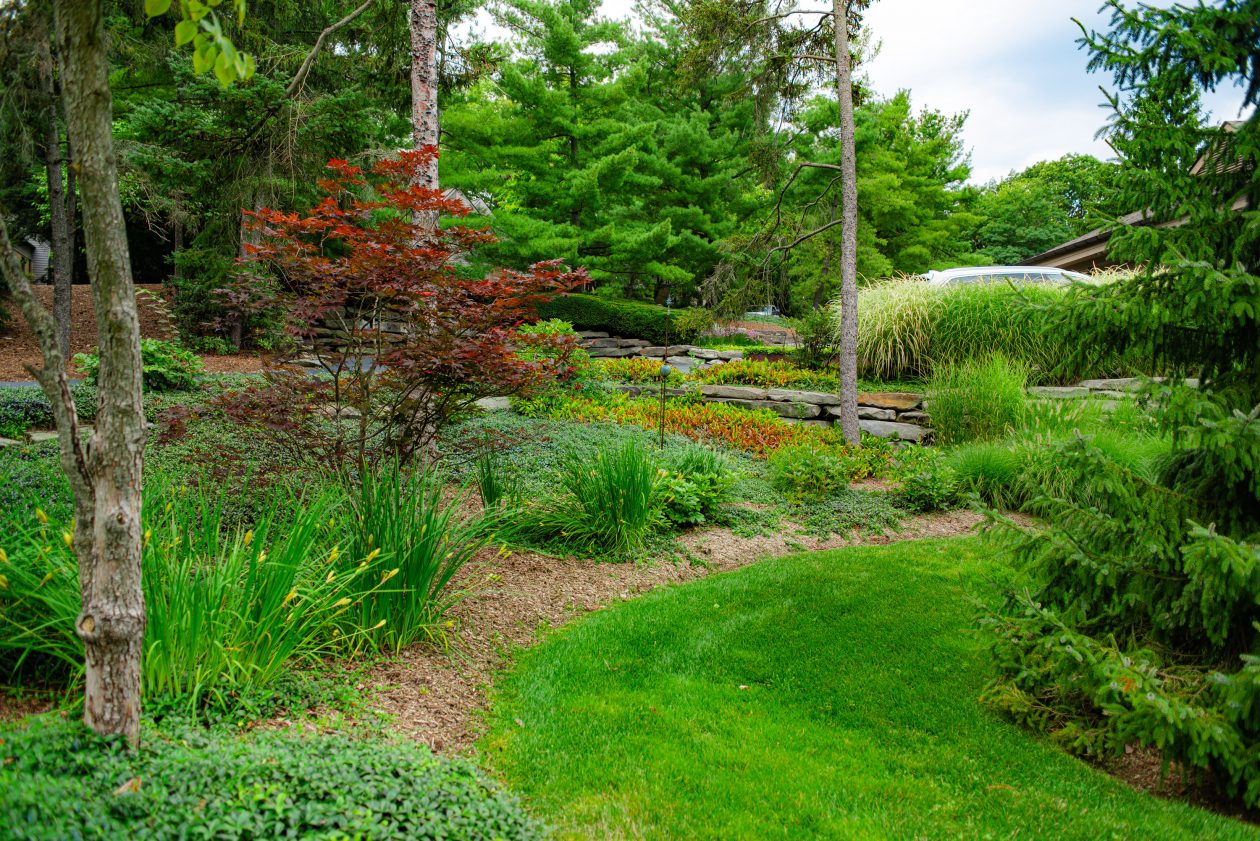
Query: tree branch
x=807, y=236
x=299, y=78
x=51, y=377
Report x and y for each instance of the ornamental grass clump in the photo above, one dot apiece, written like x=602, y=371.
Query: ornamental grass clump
x=978, y=400
x=409, y=543
x=607, y=504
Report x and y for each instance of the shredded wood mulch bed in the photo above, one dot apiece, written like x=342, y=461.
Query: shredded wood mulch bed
x=437, y=697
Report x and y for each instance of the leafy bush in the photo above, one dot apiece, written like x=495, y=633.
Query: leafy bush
x=694, y=482
x=802, y=472
x=759, y=432
x=167, y=365
x=977, y=400
x=817, y=337
x=637, y=370
x=608, y=501
x=928, y=490
x=629, y=319
x=57, y=781
x=765, y=374
x=413, y=544
x=226, y=610
x=27, y=408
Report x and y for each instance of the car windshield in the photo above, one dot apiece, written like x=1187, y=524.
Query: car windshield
x=990, y=277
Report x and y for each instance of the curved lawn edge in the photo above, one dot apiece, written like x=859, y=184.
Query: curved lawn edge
x=824, y=695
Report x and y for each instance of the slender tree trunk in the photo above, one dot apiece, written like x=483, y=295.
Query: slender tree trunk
x=848, y=229
x=111, y=623
x=58, y=207
x=424, y=85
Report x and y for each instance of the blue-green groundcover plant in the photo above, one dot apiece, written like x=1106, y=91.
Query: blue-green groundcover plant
x=58, y=781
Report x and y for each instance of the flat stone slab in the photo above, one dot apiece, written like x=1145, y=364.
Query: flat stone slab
x=592, y=334
x=806, y=422
x=9, y=442
x=921, y=418
x=40, y=436
x=494, y=404
x=728, y=355
x=1119, y=384
x=611, y=353
x=871, y=413
x=594, y=343
x=889, y=429
x=733, y=392
x=818, y=398
x=800, y=411
x=1058, y=392
x=705, y=353
x=632, y=343
x=902, y=401
x=1113, y=394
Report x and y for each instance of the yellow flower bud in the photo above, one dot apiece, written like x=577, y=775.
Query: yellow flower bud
x=341, y=602
x=334, y=554
x=65, y=535
x=380, y=624
x=4, y=557
x=388, y=575
x=372, y=556
x=4, y=583
x=248, y=538
x=40, y=515
x=292, y=595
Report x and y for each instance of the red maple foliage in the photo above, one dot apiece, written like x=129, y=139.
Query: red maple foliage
x=399, y=332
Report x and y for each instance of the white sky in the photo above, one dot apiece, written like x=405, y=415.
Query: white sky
x=1014, y=65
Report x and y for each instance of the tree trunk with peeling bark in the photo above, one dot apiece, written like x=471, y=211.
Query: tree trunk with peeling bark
x=105, y=474
x=424, y=84
x=848, y=229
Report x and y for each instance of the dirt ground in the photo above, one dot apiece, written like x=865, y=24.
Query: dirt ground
x=19, y=348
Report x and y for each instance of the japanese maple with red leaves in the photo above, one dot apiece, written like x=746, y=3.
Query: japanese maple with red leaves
x=400, y=335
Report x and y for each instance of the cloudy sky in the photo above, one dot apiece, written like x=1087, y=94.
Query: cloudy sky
x=1014, y=65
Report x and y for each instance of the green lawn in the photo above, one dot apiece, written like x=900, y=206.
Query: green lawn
x=830, y=695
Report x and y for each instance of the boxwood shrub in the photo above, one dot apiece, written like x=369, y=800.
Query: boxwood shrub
x=59, y=781
x=627, y=319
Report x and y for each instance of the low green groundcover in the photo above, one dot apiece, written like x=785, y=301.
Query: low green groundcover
x=57, y=781
x=829, y=695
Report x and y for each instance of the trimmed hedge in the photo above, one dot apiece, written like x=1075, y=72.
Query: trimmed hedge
x=59, y=781
x=627, y=319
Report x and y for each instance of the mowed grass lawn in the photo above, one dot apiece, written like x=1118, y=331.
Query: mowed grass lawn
x=830, y=695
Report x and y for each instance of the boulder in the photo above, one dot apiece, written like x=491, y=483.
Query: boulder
x=902, y=401
x=889, y=429
x=1052, y=392
x=818, y=398
x=733, y=392
x=494, y=404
